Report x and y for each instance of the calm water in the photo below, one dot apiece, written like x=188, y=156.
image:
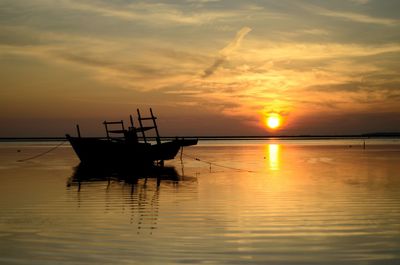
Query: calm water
x=260, y=202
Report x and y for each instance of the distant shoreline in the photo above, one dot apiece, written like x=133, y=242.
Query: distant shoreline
x=266, y=137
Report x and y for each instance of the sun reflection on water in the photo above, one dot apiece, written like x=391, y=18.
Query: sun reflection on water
x=274, y=156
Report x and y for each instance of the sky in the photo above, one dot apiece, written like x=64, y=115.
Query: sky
x=206, y=67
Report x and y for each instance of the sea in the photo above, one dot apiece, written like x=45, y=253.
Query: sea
x=272, y=201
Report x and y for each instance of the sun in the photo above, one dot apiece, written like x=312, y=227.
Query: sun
x=273, y=121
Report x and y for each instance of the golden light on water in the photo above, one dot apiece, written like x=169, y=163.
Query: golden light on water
x=273, y=156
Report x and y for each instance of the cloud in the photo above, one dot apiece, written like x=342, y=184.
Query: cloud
x=362, y=18
x=360, y=2
x=236, y=41
x=226, y=51
x=355, y=17
x=160, y=14
x=112, y=61
x=314, y=31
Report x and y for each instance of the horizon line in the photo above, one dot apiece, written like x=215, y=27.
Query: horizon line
x=227, y=137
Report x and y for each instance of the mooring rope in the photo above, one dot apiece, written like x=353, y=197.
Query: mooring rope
x=41, y=154
x=186, y=155
x=218, y=165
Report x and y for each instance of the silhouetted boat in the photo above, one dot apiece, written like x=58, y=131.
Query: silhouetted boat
x=127, y=149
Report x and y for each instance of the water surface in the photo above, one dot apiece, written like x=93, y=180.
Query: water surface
x=229, y=202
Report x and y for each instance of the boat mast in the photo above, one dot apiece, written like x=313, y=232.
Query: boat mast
x=155, y=126
x=141, y=126
x=143, y=129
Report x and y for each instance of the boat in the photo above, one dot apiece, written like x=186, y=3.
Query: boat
x=127, y=146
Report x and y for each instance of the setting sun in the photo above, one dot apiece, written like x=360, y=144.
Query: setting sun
x=273, y=121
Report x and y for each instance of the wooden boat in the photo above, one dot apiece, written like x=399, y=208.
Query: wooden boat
x=127, y=148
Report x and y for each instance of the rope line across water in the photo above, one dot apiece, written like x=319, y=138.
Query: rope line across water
x=218, y=165
x=186, y=155
x=41, y=154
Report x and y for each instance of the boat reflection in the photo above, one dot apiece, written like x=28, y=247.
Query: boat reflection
x=86, y=173
x=125, y=193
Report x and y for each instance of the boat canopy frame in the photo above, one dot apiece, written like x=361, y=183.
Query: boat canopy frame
x=132, y=129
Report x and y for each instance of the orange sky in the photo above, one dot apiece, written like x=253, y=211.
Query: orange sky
x=205, y=67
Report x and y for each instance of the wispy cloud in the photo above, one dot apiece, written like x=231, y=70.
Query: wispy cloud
x=226, y=51
x=155, y=13
x=354, y=17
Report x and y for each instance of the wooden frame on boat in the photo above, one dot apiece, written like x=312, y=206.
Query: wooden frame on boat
x=127, y=149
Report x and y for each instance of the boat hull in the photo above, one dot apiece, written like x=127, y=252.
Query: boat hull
x=99, y=151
